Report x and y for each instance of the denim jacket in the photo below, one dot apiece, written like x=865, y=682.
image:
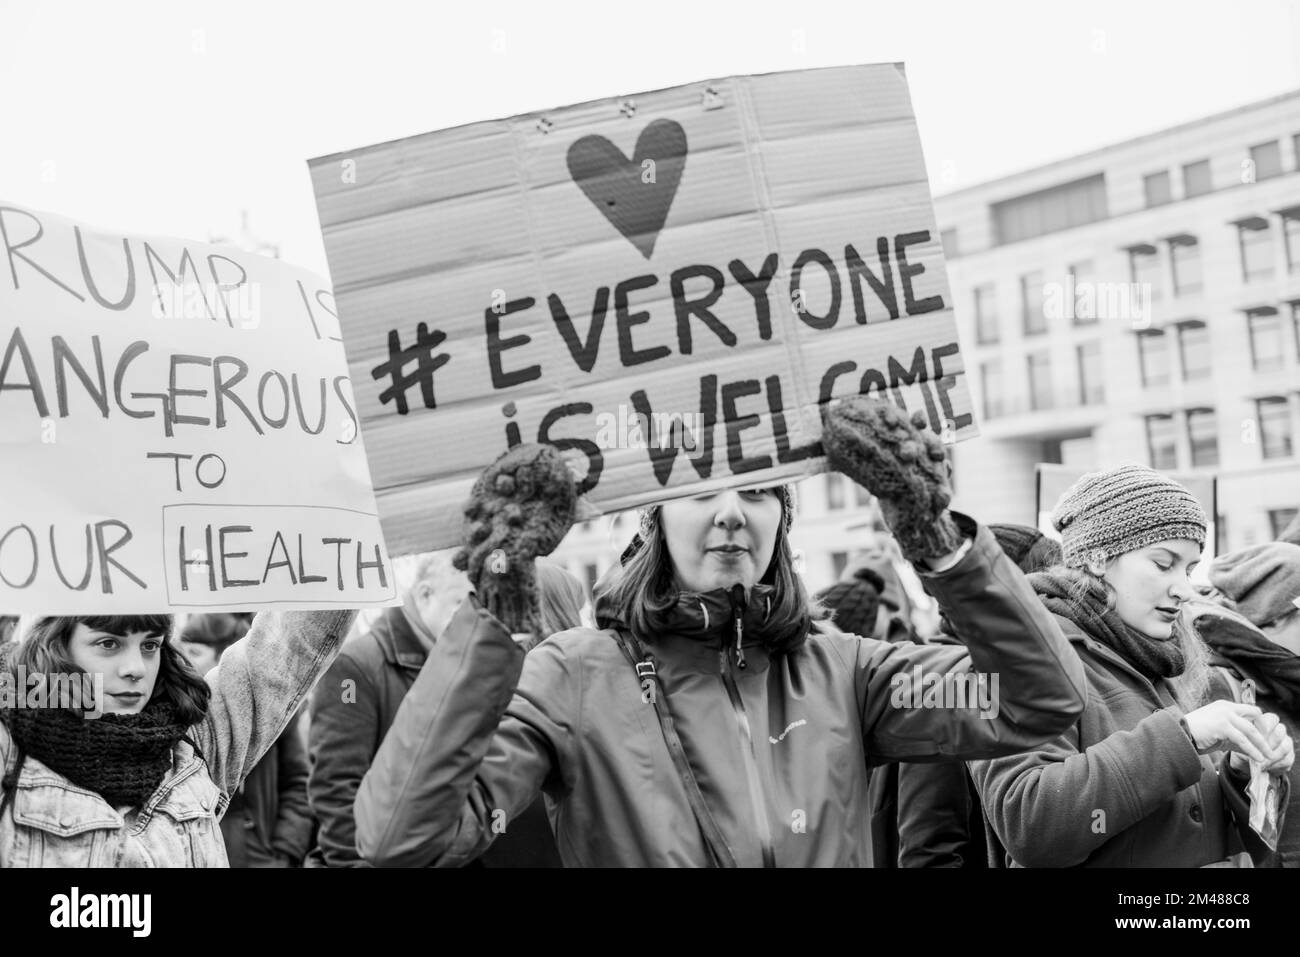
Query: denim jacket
x=256, y=690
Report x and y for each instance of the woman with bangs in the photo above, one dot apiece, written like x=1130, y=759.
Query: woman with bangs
x=705, y=722
x=116, y=753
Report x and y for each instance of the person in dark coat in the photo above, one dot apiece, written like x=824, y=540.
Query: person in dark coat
x=353, y=707
x=268, y=822
x=1132, y=783
x=1252, y=626
x=929, y=815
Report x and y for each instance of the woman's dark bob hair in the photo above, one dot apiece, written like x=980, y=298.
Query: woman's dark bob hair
x=644, y=589
x=45, y=651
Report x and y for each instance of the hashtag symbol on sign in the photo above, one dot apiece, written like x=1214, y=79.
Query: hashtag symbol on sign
x=426, y=364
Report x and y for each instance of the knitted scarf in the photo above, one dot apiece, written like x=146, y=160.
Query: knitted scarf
x=121, y=757
x=1153, y=659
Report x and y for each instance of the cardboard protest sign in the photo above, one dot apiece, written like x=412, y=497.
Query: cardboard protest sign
x=1055, y=480
x=178, y=430
x=664, y=286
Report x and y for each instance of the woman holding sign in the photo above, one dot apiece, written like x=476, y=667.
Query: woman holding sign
x=708, y=722
x=134, y=767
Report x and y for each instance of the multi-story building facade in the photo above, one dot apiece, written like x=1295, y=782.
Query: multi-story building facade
x=1139, y=303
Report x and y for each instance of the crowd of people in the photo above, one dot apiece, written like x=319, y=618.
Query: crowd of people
x=1081, y=704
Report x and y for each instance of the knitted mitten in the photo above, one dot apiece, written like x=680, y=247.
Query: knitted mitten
x=519, y=509
x=902, y=463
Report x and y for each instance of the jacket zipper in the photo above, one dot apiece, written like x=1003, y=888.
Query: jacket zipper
x=747, y=754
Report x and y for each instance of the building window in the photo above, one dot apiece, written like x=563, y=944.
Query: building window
x=986, y=318
x=1274, y=416
x=1157, y=189
x=1196, y=179
x=1144, y=268
x=1291, y=238
x=1040, y=381
x=1279, y=519
x=1203, y=437
x=1049, y=210
x=1267, y=160
x=948, y=240
x=1295, y=325
x=1194, y=349
x=1256, y=241
x=1161, y=445
x=1091, y=390
x=1083, y=276
x=839, y=561
x=1031, y=303
x=1153, y=357
x=1265, y=325
x=991, y=387
x=834, y=492
x=860, y=494
x=1185, y=253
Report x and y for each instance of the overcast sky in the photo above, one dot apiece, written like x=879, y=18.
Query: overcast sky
x=169, y=117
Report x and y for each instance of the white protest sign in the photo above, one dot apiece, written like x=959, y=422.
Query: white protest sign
x=665, y=286
x=178, y=430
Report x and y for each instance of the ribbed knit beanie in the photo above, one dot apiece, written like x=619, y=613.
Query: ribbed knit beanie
x=1123, y=509
x=1263, y=580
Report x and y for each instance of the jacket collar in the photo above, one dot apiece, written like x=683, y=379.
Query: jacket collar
x=1076, y=635
x=397, y=640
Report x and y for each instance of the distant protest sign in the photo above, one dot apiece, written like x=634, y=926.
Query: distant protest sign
x=665, y=286
x=178, y=430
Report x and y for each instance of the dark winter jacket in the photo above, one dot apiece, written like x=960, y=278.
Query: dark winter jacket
x=1123, y=787
x=351, y=710
x=780, y=748
x=269, y=822
x=1242, y=653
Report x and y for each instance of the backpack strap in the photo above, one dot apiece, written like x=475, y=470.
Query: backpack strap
x=648, y=679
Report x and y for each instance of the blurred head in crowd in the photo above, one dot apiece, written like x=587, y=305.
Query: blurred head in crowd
x=561, y=597
x=133, y=653
x=857, y=603
x=1030, y=549
x=204, y=638
x=435, y=592
x=1263, y=582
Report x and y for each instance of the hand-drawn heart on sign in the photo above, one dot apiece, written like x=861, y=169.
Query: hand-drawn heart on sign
x=634, y=195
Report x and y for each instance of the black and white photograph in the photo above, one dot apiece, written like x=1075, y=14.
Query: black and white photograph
x=506, y=436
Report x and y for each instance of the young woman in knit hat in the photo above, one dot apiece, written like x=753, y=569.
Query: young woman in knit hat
x=1251, y=622
x=140, y=776
x=1132, y=783
x=707, y=722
